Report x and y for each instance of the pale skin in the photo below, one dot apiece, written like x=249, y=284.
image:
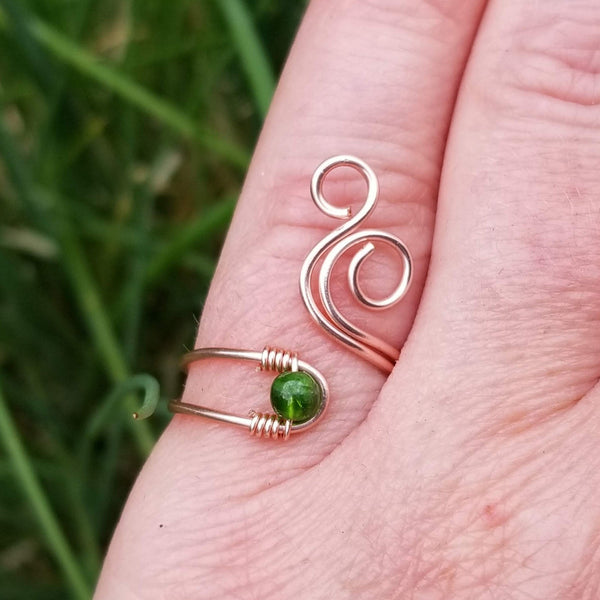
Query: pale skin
x=472, y=471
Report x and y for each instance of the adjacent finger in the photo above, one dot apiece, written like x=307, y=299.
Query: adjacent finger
x=511, y=308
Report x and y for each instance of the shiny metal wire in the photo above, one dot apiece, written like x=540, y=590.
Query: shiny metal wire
x=257, y=423
x=276, y=359
x=332, y=247
x=269, y=425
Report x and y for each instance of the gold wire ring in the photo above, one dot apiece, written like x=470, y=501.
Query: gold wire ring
x=324, y=312
x=257, y=423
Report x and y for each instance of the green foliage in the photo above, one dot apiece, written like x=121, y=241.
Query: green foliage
x=125, y=130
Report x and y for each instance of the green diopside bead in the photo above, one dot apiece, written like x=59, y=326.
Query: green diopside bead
x=296, y=396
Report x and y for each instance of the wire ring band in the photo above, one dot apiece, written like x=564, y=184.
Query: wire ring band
x=316, y=273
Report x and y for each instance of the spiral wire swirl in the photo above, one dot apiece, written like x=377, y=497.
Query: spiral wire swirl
x=329, y=250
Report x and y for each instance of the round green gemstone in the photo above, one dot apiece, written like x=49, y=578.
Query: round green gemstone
x=296, y=396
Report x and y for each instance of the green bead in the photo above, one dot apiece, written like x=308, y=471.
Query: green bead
x=296, y=396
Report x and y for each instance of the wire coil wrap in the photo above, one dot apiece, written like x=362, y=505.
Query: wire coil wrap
x=332, y=247
x=269, y=425
x=276, y=359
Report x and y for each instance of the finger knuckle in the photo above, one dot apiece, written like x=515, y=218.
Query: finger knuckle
x=548, y=66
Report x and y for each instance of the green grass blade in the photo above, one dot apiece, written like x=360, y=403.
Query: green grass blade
x=80, y=277
x=33, y=491
x=251, y=51
x=71, y=53
x=215, y=219
x=100, y=326
x=31, y=52
x=76, y=57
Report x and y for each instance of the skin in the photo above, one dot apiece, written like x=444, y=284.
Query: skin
x=472, y=471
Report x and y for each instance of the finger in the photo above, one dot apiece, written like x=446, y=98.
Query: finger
x=376, y=80
x=511, y=308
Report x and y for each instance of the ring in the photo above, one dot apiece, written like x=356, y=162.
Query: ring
x=300, y=394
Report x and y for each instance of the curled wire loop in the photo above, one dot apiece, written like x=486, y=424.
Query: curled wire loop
x=259, y=424
x=332, y=247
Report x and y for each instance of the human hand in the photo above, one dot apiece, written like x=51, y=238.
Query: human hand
x=471, y=471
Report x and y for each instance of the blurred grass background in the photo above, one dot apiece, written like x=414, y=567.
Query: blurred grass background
x=125, y=130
